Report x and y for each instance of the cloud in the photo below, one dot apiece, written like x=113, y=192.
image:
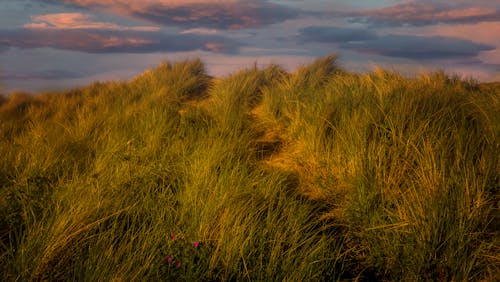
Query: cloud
x=220, y=14
x=80, y=32
x=114, y=41
x=332, y=34
x=77, y=21
x=479, y=32
x=46, y=75
x=491, y=57
x=425, y=12
x=418, y=47
x=205, y=31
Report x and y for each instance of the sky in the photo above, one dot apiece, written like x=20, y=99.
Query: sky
x=57, y=44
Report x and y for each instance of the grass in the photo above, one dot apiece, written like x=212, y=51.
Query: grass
x=314, y=175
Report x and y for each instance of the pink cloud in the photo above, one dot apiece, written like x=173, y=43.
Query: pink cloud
x=147, y=2
x=465, y=13
x=116, y=41
x=491, y=57
x=426, y=12
x=215, y=46
x=479, y=32
x=205, y=31
x=77, y=21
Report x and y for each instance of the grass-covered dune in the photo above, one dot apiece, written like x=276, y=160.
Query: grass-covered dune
x=264, y=175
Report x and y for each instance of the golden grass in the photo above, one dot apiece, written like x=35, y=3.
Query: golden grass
x=314, y=175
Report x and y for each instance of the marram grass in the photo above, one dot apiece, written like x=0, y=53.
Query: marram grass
x=264, y=175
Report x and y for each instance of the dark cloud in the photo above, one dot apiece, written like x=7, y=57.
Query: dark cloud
x=114, y=41
x=47, y=75
x=331, y=34
x=418, y=47
x=425, y=12
x=193, y=14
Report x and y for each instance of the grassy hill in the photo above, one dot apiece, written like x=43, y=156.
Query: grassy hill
x=264, y=175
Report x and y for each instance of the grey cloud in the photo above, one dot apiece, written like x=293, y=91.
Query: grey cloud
x=418, y=47
x=99, y=41
x=331, y=34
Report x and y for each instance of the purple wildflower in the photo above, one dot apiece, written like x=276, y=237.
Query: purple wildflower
x=196, y=244
x=173, y=237
x=169, y=259
x=179, y=264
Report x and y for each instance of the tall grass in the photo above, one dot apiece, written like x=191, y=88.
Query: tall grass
x=262, y=175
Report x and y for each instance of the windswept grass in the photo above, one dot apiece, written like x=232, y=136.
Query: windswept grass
x=263, y=175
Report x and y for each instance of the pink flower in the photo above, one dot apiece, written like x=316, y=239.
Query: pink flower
x=196, y=244
x=172, y=237
x=169, y=259
x=179, y=264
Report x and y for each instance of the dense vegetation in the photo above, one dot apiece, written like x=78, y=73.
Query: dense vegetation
x=262, y=176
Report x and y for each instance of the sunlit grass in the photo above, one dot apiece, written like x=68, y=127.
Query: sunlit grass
x=263, y=175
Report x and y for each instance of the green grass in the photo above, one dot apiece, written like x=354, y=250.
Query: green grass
x=315, y=175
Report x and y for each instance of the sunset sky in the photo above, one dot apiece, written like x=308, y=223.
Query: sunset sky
x=54, y=44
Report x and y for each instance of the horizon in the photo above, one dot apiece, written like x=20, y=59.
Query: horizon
x=54, y=44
